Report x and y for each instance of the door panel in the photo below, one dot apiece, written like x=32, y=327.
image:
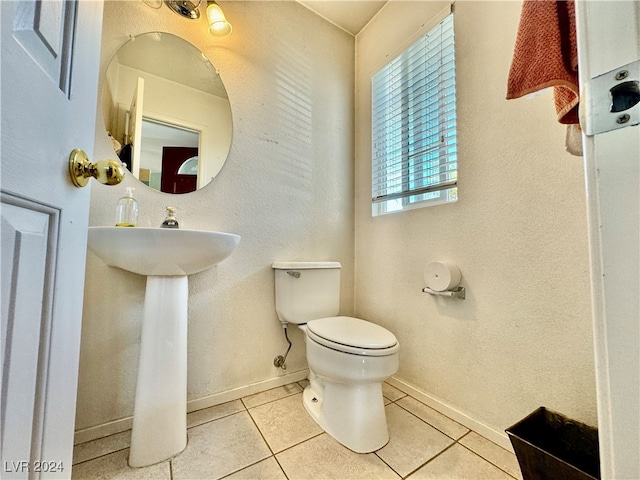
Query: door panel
x=28, y=244
x=50, y=55
x=45, y=31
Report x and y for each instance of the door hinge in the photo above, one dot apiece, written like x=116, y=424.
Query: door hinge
x=611, y=100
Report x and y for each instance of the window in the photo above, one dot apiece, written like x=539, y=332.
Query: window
x=413, y=99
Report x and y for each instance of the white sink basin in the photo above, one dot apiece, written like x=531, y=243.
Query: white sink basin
x=166, y=256
x=160, y=251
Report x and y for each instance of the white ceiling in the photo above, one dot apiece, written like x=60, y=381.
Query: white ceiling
x=350, y=15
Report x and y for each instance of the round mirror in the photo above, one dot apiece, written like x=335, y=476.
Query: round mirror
x=167, y=113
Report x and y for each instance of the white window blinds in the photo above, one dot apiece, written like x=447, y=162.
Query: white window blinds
x=414, y=156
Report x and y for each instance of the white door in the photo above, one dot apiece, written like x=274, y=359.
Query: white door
x=608, y=38
x=50, y=58
x=135, y=126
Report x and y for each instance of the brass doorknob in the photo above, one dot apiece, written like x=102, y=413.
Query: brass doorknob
x=108, y=172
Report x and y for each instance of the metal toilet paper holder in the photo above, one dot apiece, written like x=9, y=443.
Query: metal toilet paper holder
x=457, y=292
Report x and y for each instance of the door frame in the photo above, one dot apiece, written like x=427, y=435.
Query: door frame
x=608, y=38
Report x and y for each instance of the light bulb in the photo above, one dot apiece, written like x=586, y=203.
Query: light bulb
x=218, y=24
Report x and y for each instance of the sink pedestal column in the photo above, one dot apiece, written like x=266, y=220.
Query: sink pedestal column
x=160, y=411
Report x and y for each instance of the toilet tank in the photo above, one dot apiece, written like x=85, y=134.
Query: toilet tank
x=306, y=290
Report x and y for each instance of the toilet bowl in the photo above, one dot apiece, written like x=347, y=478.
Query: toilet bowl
x=345, y=392
x=348, y=357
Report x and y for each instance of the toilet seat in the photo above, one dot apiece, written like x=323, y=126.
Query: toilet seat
x=352, y=335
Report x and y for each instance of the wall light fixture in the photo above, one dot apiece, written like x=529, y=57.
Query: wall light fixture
x=219, y=26
x=184, y=8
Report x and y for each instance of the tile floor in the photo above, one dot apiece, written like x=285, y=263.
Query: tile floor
x=269, y=435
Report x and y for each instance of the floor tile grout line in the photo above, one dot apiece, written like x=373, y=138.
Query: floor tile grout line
x=260, y=432
x=455, y=441
x=395, y=402
x=448, y=447
x=242, y=401
x=100, y=456
x=76, y=445
x=214, y=406
x=383, y=461
x=284, y=449
x=281, y=467
x=273, y=454
x=271, y=401
x=300, y=443
x=484, y=458
x=265, y=442
x=227, y=475
x=433, y=426
x=274, y=400
x=214, y=419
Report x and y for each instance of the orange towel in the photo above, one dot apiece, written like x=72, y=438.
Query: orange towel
x=545, y=55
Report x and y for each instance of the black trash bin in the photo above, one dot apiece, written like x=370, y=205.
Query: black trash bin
x=550, y=446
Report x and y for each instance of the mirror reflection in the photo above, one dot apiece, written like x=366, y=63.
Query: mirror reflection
x=167, y=113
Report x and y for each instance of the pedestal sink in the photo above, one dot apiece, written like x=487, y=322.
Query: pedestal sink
x=165, y=257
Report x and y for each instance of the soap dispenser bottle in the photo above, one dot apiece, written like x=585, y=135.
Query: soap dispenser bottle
x=170, y=221
x=127, y=210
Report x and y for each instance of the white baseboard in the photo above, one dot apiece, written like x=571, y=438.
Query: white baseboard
x=234, y=394
x=104, y=430
x=124, y=424
x=495, y=436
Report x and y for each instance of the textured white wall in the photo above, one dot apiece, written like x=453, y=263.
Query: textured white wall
x=523, y=337
x=286, y=188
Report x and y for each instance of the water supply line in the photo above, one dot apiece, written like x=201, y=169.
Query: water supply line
x=279, y=361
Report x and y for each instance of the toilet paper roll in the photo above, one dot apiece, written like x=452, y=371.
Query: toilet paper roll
x=441, y=276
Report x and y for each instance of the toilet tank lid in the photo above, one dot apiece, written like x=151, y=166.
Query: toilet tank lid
x=304, y=265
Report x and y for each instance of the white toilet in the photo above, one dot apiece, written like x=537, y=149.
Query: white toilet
x=348, y=358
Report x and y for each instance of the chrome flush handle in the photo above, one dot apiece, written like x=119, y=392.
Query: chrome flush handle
x=293, y=273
